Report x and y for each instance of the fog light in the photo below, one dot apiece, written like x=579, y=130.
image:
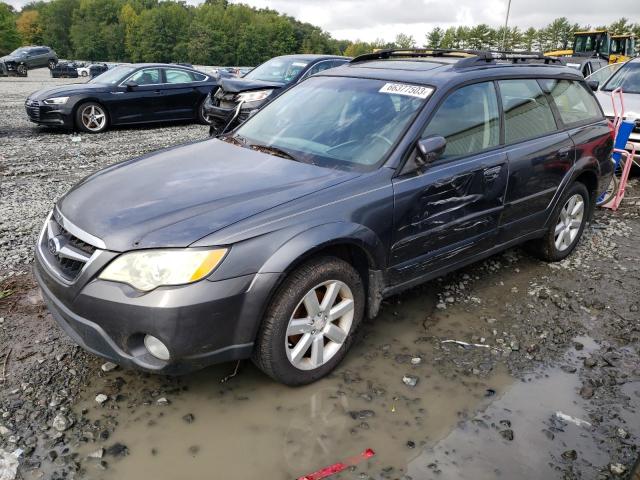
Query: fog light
x=156, y=347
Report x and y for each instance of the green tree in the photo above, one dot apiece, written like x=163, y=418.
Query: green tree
x=358, y=48
x=529, y=40
x=57, y=18
x=434, y=38
x=404, y=41
x=9, y=36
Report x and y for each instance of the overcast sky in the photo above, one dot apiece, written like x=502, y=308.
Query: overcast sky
x=371, y=19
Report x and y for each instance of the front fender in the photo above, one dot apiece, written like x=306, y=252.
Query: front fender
x=323, y=236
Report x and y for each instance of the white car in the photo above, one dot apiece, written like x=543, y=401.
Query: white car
x=84, y=71
x=628, y=78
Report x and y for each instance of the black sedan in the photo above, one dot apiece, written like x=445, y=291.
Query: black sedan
x=127, y=94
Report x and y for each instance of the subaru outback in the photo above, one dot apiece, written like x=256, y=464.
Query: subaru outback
x=273, y=242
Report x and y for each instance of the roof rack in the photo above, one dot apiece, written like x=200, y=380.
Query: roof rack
x=468, y=58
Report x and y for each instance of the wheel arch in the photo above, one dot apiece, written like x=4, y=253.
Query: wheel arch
x=355, y=244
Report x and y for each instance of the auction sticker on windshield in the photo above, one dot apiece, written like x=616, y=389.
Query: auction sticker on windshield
x=404, y=89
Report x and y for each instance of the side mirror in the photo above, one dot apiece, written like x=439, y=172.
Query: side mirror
x=593, y=85
x=430, y=149
x=131, y=85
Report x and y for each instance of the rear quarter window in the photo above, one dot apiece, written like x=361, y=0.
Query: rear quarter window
x=575, y=104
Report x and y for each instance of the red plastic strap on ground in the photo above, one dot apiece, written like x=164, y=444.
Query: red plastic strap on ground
x=339, y=467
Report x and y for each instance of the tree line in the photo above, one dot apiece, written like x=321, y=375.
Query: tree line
x=217, y=32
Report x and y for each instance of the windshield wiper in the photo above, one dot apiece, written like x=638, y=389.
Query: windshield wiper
x=274, y=151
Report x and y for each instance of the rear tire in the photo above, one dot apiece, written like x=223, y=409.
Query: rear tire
x=295, y=346
x=566, y=226
x=52, y=64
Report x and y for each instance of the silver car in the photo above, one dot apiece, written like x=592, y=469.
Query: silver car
x=628, y=78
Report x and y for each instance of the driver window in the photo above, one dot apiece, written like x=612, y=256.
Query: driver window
x=468, y=119
x=148, y=76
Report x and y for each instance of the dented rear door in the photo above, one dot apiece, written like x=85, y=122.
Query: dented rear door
x=446, y=214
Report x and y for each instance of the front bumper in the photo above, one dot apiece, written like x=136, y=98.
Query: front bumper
x=201, y=324
x=51, y=115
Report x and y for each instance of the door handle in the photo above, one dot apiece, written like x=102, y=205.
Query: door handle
x=157, y=91
x=492, y=173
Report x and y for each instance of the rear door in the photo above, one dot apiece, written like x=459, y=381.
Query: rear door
x=180, y=96
x=451, y=210
x=579, y=112
x=540, y=156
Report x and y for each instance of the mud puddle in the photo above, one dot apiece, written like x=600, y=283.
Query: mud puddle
x=251, y=427
x=539, y=428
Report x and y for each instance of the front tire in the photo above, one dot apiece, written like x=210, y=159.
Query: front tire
x=310, y=324
x=52, y=64
x=567, y=225
x=21, y=70
x=92, y=117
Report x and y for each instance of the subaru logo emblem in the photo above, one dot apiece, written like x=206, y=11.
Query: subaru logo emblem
x=53, y=245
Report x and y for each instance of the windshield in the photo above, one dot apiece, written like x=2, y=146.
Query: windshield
x=113, y=76
x=604, y=73
x=19, y=51
x=587, y=43
x=628, y=78
x=279, y=69
x=335, y=122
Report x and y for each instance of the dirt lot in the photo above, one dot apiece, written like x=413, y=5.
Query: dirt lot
x=550, y=390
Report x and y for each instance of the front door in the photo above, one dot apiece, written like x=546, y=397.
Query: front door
x=138, y=103
x=451, y=210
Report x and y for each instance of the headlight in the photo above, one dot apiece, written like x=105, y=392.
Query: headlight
x=149, y=269
x=56, y=100
x=253, y=96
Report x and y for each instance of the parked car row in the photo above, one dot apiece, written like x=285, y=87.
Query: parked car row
x=274, y=240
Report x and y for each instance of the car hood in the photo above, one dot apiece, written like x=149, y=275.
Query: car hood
x=67, y=90
x=237, y=85
x=174, y=197
x=631, y=109
x=631, y=104
x=10, y=58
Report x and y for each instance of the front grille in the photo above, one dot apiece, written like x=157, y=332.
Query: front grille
x=63, y=251
x=33, y=109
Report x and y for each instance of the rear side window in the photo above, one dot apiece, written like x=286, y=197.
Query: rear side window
x=468, y=119
x=178, y=76
x=574, y=102
x=527, y=113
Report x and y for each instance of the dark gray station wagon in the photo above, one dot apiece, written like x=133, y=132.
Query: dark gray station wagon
x=274, y=241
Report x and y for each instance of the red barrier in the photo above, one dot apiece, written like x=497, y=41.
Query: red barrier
x=339, y=467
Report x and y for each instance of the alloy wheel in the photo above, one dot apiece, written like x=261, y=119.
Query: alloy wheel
x=569, y=223
x=319, y=325
x=93, y=118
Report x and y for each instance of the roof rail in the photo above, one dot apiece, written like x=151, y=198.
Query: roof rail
x=468, y=58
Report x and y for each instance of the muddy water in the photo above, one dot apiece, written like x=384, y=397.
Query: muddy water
x=251, y=427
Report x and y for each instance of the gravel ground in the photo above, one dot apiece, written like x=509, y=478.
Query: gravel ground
x=38, y=165
x=550, y=388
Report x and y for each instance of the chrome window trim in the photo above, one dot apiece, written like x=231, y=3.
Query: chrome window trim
x=206, y=77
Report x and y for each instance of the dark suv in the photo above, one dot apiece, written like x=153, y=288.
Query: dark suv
x=22, y=59
x=274, y=241
x=237, y=98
